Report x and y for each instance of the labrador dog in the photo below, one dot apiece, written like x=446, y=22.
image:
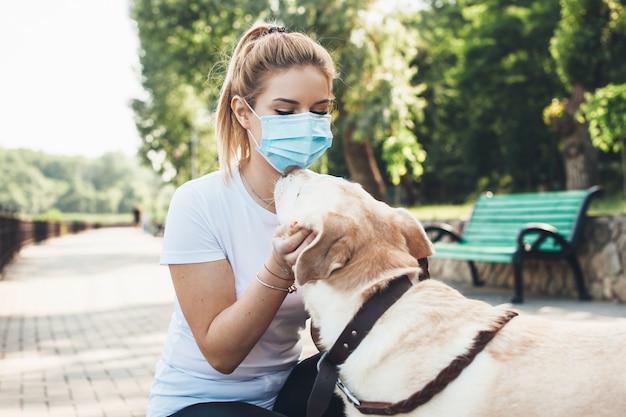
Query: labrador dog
x=529, y=367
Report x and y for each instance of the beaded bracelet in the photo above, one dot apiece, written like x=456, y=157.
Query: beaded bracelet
x=291, y=289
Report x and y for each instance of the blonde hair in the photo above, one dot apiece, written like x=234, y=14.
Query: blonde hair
x=262, y=51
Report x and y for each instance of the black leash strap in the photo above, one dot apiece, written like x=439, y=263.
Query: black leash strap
x=441, y=381
x=349, y=340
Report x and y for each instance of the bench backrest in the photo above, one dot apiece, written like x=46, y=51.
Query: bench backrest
x=496, y=220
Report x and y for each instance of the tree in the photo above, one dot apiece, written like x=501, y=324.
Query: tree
x=23, y=189
x=33, y=183
x=605, y=111
x=584, y=49
x=182, y=49
x=381, y=104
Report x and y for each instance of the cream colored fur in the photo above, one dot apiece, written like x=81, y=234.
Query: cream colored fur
x=533, y=367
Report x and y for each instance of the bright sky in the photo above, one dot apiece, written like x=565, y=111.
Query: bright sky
x=68, y=69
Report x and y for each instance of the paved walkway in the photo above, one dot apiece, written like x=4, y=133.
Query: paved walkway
x=82, y=321
x=83, y=318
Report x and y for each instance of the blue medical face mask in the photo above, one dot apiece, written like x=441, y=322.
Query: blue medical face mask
x=294, y=139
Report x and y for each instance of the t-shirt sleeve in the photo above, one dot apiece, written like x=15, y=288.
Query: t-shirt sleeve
x=189, y=233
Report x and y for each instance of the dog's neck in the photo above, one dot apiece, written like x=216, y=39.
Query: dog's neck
x=339, y=307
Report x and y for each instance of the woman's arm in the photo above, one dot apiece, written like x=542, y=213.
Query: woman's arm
x=226, y=329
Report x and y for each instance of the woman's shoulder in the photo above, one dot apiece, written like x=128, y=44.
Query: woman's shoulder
x=206, y=185
x=207, y=180
x=207, y=190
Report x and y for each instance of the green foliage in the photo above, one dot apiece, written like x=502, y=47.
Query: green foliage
x=452, y=95
x=38, y=184
x=53, y=215
x=580, y=43
x=555, y=112
x=488, y=74
x=23, y=187
x=381, y=103
x=588, y=48
x=182, y=42
x=605, y=111
x=616, y=28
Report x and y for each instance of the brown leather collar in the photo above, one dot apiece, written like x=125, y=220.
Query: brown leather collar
x=350, y=338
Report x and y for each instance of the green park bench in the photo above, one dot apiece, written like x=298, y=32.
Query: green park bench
x=511, y=228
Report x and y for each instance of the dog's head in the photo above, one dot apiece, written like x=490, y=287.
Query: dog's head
x=357, y=236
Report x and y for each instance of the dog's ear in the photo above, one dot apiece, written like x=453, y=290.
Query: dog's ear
x=414, y=234
x=330, y=250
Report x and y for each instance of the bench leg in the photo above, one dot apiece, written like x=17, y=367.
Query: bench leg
x=475, y=278
x=518, y=298
x=583, y=294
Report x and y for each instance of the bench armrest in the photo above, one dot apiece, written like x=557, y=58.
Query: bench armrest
x=544, y=231
x=439, y=230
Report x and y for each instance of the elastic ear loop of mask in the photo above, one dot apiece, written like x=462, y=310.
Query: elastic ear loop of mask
x=248, y=130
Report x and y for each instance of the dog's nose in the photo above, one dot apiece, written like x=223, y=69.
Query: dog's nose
x=290, y=169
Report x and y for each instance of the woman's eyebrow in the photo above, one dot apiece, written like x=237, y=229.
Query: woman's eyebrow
x=290, y=101
x=325, y=101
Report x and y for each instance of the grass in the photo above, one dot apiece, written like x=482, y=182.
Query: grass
x=441, y=212
x=610, y=204
x=90, y=218
x=606, y=204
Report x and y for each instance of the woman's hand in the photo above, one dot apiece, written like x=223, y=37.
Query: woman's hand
x=289, y=241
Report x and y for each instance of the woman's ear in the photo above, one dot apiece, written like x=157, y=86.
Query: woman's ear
x=241, y=111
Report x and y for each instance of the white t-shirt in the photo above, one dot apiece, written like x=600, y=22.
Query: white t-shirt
x=210, y=220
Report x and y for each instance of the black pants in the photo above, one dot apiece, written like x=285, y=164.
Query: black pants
x=291, y=401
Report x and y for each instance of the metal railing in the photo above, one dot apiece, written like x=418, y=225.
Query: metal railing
x=16, y=233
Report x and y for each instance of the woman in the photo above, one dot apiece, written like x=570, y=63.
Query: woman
x=234, y=340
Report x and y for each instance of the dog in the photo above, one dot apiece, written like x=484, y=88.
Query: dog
x=530, y=367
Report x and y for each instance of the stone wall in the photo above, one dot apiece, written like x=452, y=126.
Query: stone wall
x=601, y=253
